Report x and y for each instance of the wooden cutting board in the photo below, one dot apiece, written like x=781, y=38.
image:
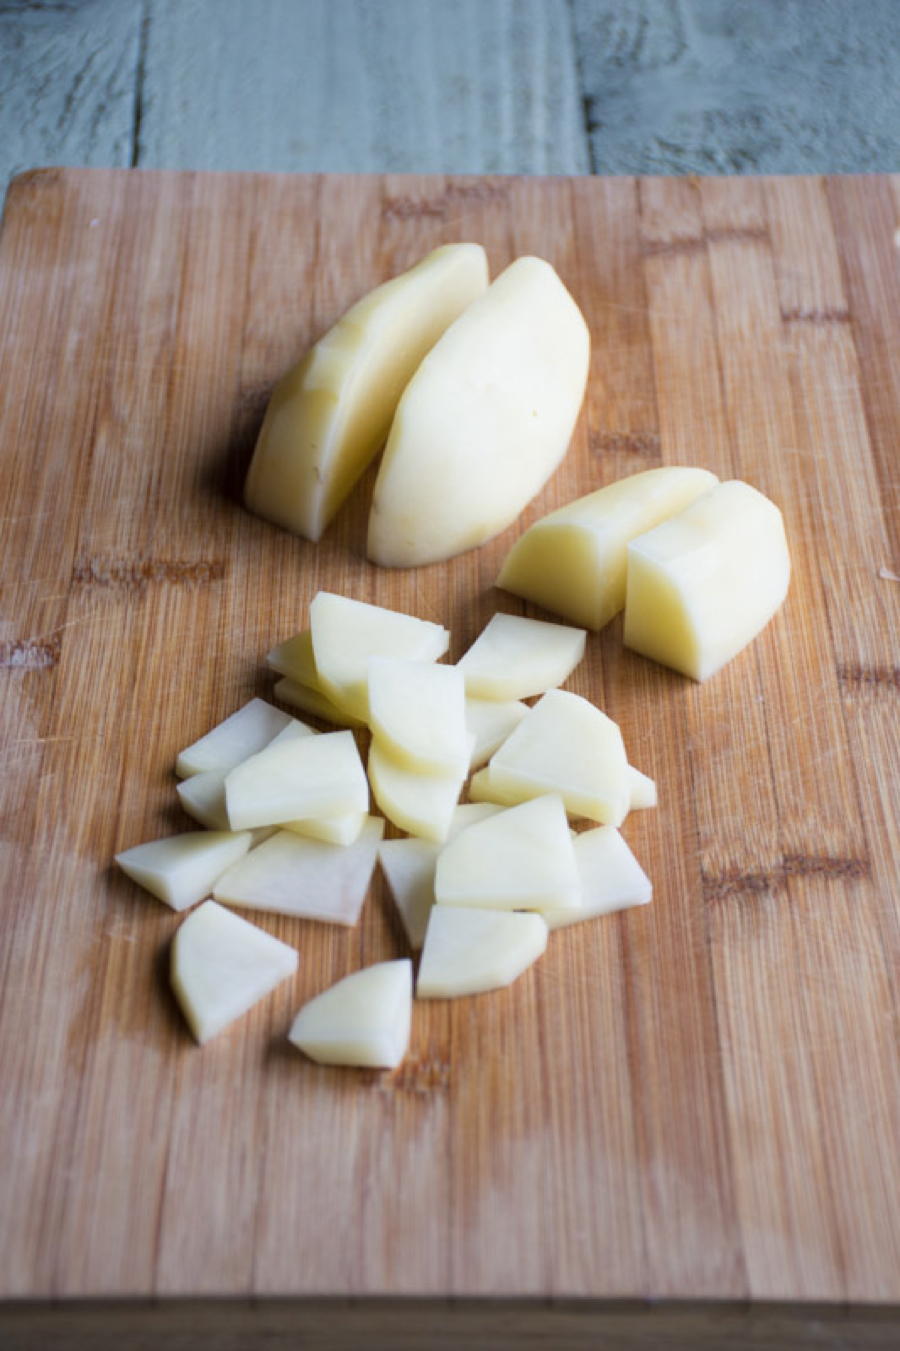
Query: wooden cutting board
x=693, y=1101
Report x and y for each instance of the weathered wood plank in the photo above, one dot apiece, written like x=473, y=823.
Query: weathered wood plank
x=406, y=85
x=67, y=83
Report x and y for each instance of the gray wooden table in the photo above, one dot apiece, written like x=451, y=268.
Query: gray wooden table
x=530, y=86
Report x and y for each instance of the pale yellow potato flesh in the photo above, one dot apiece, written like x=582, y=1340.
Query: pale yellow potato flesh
x=566, y=745
x=329, y=416
x=610, y=876
x=422, y=804
x=484, y=421
x=642, y=789
x=703, y=584
x=573, y=560
x=522, y=858
x=243, y=733
x=515, y=658
x=315, y=776
x=203, y=795
x=311, y=700
x=471, y=951
x=294, y=659
x=362, y=1020
x=417, y=710
x=181, y=869
x=490, y=722
x=292, y=874
x=347, y=634
x=221, y=965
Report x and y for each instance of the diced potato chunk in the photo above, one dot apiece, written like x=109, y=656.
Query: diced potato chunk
x=518, y=859
x=329, y=416
x=422, y=804
x=573, y=560
x=362, y=1020
x=294, y=659
x=346, y=634
x=513, y=657
x=409, y=865
x=203, y=795
x=182, y=869
x=490, y=722
x=315, y=776
x=703, y=584
x=417, y=710
x=610, y=875
x=341, y=829
x=471, y=951
x=643, y=789
x=566, y=745
x=484, y=421
x=244, y=733
x=222, y=965
x=311, y=700
x=293, y=875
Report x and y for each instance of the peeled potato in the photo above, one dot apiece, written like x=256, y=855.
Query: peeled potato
x=329, y=416
x=484, y=421
x=362, y=1020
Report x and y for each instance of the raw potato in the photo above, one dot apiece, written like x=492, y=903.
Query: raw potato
x=362, y=1020
x=565, y=745
x=610, y=875
x=294, y=659
x=244, y=733
x=702, y=585
x=311, y=700
x=315, y=776
x=222, y=965
x=182, y=869
x=573, y=560
x=346, y=634
x=422, y=804
x=519, y=859
x=417, y=710
x=642, y=788
x=203, y=795
x=513, y=657
x=490, y=722
x=409, y=865
x=471, y=951
x=292, y=875
x=342, y=829
x=484, y=421
x=329, y=416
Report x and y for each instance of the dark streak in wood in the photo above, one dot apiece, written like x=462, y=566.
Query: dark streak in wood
x=853, y=677
x=829, y=315
x=136, y=574
x=624, y=443
x=413, y=208
x=30, y=654
x=419, y=1074
x=730, y=884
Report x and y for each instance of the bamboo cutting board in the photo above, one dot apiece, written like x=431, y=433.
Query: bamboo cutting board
x=692, y=1101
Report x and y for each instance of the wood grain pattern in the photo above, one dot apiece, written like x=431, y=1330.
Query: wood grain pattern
x=696, y=1101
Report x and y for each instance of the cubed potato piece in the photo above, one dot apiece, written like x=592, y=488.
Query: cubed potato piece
x=472, y=951
x=409, y=865
x=314, y=776
x=182, y=869
x=522, y=858
x=482, y=789
x=347, y=633
x=244, y=733
x=294, y=659
x=293, y=875
x=703, y=584
x=329, y=416
x=364, y=1019
x=573, y=560
x=341, y=829
x=203, y=795
x=514, y=658
x=222, y=965
x=642, y=788
x=422, y=804
x=483, y=422
x=490, y=722
x=610, y=875
x=417, y=710
x=565, y=745
x=313, y=701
